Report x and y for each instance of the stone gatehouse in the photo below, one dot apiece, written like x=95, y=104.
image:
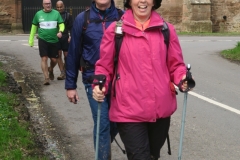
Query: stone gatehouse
x=186, y=15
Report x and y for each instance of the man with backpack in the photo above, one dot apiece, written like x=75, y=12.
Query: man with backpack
x=86, y=35
x=65, y=39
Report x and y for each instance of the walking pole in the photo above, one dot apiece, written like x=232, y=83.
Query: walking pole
x=182, y=125
x=98, y=128
x=100, y=81
x=191, y=84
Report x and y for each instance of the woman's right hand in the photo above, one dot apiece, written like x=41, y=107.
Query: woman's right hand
x=98, y=94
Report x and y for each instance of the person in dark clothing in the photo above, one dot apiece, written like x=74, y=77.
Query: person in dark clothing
x=85, y=45
x=65, y=39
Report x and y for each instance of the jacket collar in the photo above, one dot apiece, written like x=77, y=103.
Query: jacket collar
x=129, y=24
x=103, y=14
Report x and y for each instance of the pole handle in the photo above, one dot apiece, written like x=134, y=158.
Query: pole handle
x=190, y=81
x=98, y=79
x=101, y=84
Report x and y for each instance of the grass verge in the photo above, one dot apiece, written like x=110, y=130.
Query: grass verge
x=2, y=78
x=232, y=54
x=16, y=140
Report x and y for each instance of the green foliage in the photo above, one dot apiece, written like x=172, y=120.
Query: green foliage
x=2, y=78
x=232, y=54
x=13, y=137
x=16, y=141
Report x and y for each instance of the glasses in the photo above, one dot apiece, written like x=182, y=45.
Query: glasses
x=47, y=4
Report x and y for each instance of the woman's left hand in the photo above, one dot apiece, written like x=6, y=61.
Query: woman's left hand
x=184, y=83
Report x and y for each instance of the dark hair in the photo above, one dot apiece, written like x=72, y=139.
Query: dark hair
x=157, y=4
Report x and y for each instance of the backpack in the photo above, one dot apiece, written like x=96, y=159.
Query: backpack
x=83, y=64
x=118, y=42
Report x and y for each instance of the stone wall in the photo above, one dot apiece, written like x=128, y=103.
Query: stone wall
x=119, y=3
x=7, y=14
x=10, y=16
x=171, y=11
x=225, y=15
x=196, y=16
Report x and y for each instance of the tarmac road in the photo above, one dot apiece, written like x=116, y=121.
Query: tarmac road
x=212, y=128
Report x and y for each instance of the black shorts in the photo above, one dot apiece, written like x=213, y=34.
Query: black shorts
x=144, y=139
x=63, y=43
x=48, y=49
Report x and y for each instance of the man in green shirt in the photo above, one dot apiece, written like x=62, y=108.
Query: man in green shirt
x=50, y=26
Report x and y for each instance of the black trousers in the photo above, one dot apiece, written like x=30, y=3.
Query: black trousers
x=144, y=140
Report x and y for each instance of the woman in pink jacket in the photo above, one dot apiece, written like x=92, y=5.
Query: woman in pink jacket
x=145, y=96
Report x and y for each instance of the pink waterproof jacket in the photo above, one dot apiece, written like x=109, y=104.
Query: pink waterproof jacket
x=146, y=68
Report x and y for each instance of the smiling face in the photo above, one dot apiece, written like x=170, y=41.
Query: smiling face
x=141, y=9
x=60, y=6
x=47, y=5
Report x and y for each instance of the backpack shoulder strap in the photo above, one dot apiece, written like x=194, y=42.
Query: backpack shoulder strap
x=84, y=28
x=120, y=13
x=86, y=20
x=67, y=18
x=118, y=36
x=118, y=43
x=166, y=33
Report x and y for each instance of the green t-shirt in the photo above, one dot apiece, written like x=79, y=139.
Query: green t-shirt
x=47, y=23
